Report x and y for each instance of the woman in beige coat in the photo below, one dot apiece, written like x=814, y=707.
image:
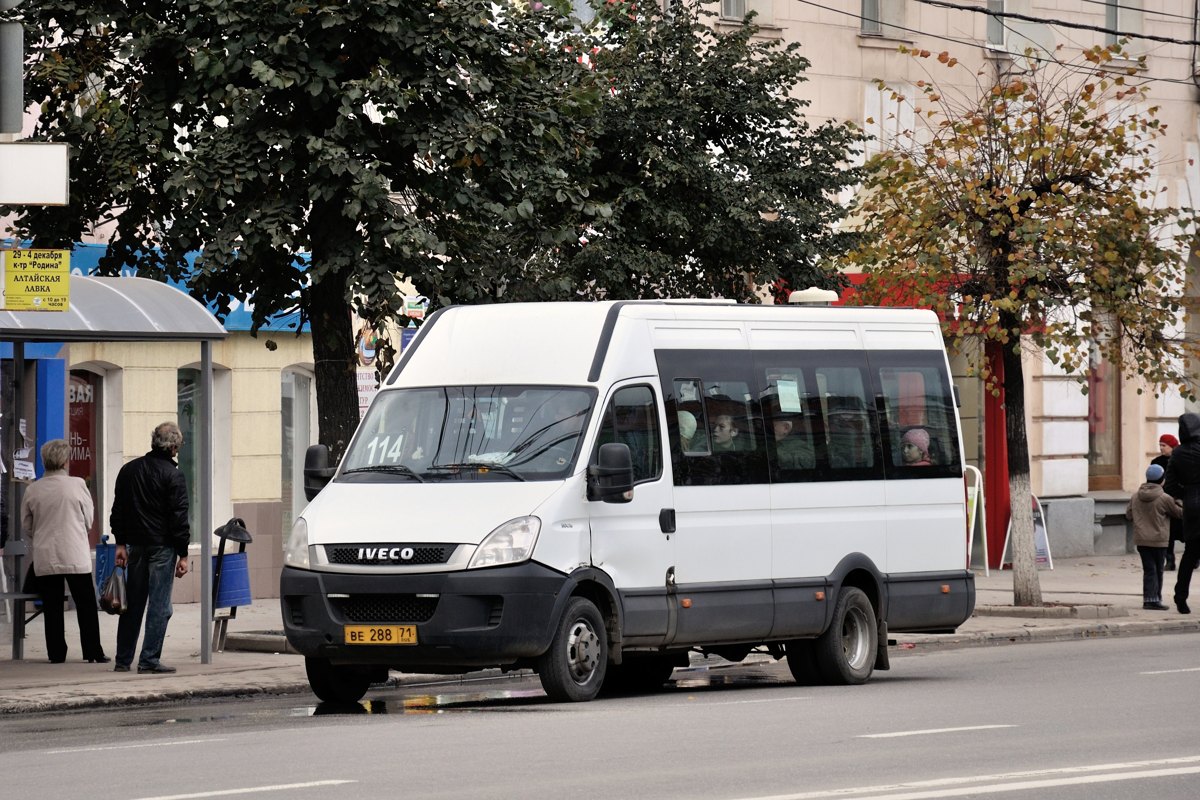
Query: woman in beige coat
x=56, y=513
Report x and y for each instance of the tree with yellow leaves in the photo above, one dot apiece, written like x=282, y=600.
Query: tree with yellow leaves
x=1025, y=211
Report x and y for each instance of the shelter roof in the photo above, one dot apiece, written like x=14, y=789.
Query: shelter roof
x=116, y=310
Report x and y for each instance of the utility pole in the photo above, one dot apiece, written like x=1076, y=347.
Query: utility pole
x=31, y=173
x=12, y=72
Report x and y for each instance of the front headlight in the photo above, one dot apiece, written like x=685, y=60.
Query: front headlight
x=511, y=543
x=295, y=551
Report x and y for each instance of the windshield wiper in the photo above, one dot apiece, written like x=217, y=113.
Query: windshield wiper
x=391, y=469
x=488, y=466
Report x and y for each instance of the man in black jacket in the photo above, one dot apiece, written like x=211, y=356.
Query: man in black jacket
x=150, y=522
x=1183, y=482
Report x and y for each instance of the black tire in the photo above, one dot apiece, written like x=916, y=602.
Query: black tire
x=637, y=675
x=336, y=683
x=573, y=669
x=802, y=661
x=845, y=654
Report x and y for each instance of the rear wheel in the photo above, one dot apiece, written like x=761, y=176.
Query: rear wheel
x=336, y=683
x=573, y=668
x=845, y=654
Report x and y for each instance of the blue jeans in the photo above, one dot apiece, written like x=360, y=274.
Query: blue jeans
x=151, y=573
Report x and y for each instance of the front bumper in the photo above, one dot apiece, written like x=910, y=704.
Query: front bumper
x=465, y=620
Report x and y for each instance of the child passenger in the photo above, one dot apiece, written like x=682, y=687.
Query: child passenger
x=914, y=448
x=1151, y=510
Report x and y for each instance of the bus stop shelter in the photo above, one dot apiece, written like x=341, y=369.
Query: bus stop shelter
x=117, y=310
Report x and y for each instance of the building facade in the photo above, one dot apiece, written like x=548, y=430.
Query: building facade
x=1091, y=435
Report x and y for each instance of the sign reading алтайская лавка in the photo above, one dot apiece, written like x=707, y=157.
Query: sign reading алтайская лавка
x=35, y=280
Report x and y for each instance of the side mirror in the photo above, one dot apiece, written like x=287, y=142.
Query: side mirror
x=610, y=479
x=317, y=471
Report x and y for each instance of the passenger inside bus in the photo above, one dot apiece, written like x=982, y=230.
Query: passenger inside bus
x=914, y=447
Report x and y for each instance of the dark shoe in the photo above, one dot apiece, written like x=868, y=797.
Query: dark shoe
x=121, y=668
x=1169, y=567
x=1182, y=606
x=158, y=669
x=1155, y=607
x=58, y=660
x=101, y=659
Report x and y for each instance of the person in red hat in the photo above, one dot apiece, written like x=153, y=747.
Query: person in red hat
x=1166, y=443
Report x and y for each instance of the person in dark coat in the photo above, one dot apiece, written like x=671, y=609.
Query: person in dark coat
x=1167, y=443
x=150, y=522
x=1183, y=482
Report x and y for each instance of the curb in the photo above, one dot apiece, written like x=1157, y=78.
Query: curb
x=262, y=682
x=1055, y=611
x=1061, y=633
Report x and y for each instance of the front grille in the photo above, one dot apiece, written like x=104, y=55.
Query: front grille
x=389, y=554
x=386, y=608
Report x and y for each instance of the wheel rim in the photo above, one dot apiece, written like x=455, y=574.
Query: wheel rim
x=583, y=651
x=855, y=638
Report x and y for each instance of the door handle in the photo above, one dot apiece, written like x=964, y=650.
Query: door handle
x=666, y=520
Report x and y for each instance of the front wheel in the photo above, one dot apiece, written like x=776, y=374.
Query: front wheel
x=573, y=669
x=336, y=683
x=845, y=654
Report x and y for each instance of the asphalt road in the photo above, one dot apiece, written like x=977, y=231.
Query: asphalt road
x=1112, y=718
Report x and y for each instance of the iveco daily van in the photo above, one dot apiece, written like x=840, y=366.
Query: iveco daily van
x=597, y=490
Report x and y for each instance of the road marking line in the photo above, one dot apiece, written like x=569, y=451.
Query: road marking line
x=279, y=787
x=865, y=791
x=129, y=746
x=1170, y=671
x=748, y=702
x=931, y=731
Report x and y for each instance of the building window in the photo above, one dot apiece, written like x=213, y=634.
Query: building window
x=1104, y=424
x=1123, y=16
x=883, y=18
x=83, y=435
x=871, y=23
x=188, y=399
x=995, y=25
x=733, y=9
x=295, y=409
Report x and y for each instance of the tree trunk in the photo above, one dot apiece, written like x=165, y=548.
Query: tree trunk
x=1027, y=590
x=334, y=246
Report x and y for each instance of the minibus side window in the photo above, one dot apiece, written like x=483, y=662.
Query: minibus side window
x=788, y=414
x=844, y=409
x=632, y=419
x=919, y=431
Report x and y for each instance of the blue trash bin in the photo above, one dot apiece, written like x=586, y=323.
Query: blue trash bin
x=233, y=587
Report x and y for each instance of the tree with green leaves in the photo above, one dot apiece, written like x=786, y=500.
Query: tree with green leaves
x=387, y=139
x=1025, y=211
x=716, y=182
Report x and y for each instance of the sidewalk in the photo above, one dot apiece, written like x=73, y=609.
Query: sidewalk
x=1087, y=598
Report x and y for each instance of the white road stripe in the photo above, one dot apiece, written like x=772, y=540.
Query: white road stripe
x=279, y=787
x=1022, y=786
x=929, y=731
x=1170, y=671
x=749, y=702
x=869, y=791
x=129, y=746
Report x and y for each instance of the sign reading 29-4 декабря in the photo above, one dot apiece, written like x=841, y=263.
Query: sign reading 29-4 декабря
x=35, y=280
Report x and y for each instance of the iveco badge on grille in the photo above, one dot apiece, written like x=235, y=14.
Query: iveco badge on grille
x=385, y=554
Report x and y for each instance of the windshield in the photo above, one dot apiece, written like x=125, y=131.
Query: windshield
x=501, y=433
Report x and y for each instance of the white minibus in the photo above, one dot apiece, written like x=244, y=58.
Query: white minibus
x=597, y=491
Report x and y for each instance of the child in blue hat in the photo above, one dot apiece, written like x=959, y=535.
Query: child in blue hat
x=1152, y=510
